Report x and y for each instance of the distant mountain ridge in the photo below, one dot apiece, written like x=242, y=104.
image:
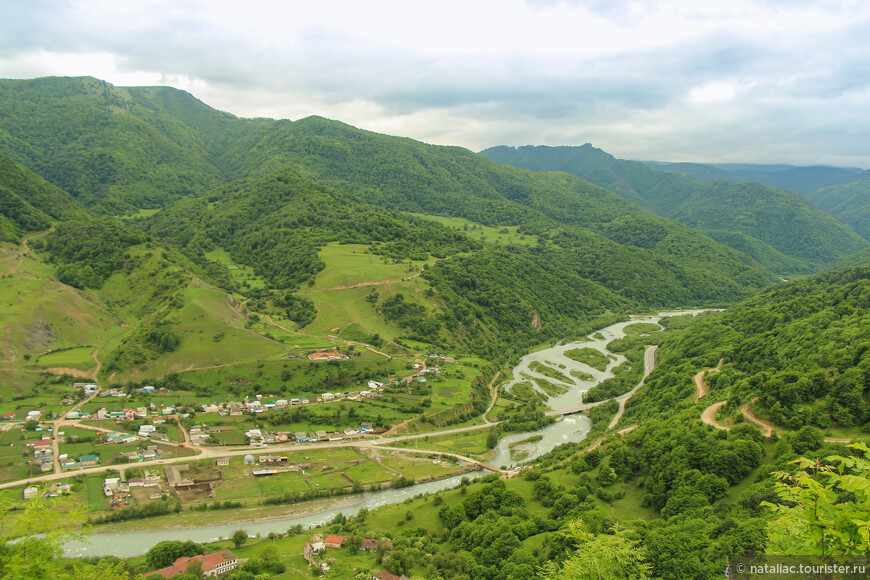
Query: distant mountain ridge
x=791, y=236
x=802, y=180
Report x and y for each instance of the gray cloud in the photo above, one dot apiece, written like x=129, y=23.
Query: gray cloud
x=796, y=99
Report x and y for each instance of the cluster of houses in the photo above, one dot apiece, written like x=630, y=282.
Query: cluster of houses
x=258, y=405
x=43, y=454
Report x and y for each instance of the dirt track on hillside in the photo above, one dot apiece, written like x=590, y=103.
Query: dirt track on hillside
x=701, y=384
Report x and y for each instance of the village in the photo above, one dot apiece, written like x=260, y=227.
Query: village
x=153, y=431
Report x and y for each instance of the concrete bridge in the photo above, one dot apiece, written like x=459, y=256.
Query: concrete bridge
x=577, y=409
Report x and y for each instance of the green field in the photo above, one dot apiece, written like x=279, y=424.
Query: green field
x=369, y=472
x=351, y=264
x=76, y=358
x=339, y=291
x=242, y=275
x=502, y=235
x=469, y=443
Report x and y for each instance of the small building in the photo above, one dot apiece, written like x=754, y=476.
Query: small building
x=87, y=460
x=272, y=459
x=174, y=477
x=111, y=485
x=31, y=492
x=213, y=564
x=322, y=436
x=301, y=436
x=223, y=461
x=334, y=541
x=147, y=430
x=248, y=460
x=310, y=551
x=324, y=356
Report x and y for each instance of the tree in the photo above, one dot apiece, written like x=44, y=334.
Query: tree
x=26, y=555
x=165, y=553
x=599, y=556
x=825, y=507
x=239, y=538
x=194, y=569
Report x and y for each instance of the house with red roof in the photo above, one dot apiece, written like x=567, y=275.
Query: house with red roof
x=324, y=356
x=334, y=541
x=212, y=564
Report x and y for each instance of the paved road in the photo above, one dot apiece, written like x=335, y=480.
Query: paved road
x=649, y=363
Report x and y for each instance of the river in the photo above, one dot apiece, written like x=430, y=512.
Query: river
x=571, y=428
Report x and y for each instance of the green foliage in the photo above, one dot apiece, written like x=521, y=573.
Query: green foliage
x=88, y=252
x=239, y=538
x=28, y=555
x=848, y=201
x=823, y=508
x=165, y=553
x=29, y=202
x=613, y=555
x=115, y=150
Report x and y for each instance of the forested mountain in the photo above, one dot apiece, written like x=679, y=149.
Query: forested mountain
x=183, y=148
x=115, y=149
x=802, y=180
x=272, y=192
x=29, y=203
x=849, y=201
x=790, y=235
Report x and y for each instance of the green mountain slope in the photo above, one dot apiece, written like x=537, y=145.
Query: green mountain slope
x=122, y=149
x=802, y=180
x=410, y=176
x=850, y=202
x=797, y=353
x=255, y=204
x=789, y=229
x=115, y=150
x=29, y=203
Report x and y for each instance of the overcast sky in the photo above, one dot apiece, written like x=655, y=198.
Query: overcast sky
x=761, y=81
